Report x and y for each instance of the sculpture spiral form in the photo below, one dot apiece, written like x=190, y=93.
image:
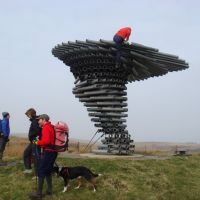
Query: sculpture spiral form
x=101, y=86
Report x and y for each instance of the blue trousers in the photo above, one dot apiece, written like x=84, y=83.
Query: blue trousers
x=118, y=41
x=46, y=163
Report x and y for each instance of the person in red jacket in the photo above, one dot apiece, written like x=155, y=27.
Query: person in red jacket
x=122, y=35
x=48, y=157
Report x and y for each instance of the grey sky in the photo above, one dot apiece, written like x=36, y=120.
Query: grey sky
x=160, y=109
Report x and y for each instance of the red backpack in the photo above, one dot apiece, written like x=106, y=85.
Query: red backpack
x=61, y=137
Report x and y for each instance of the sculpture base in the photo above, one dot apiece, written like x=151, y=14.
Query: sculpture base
x=114, y=149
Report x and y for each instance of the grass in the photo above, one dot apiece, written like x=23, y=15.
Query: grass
x=177, y=178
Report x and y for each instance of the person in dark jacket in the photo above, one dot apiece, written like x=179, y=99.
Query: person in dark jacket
x=5, y=132
x=48, y=157
x=30, y=153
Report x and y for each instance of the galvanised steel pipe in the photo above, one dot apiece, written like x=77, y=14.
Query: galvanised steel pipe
x=102, y=86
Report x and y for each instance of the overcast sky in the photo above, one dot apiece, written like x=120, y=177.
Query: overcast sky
x=160, y=109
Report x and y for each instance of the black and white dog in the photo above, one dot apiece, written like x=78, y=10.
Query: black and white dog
x=69, y=173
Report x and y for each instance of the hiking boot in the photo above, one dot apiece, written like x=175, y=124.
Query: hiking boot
x=35, y=195
x=27, y=171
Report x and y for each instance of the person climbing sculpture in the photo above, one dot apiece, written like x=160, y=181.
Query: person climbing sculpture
x=119, y=38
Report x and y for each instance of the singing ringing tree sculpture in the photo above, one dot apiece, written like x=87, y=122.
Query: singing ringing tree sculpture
x=101, y=86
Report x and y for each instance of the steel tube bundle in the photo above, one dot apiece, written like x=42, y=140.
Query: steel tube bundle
x=101, y=86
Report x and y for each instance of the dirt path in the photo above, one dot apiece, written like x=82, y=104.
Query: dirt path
x=98, y=156
x=11, y=163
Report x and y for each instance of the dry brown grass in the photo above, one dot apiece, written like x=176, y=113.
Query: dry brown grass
x=77, y=147
x=16, y=146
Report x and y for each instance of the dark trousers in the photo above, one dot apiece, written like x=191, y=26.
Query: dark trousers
x=28, y=156
x=36, y=155
x=118, y=41
x=3, y=141
x=31, y=155
x=45, y=168
x=46, y=163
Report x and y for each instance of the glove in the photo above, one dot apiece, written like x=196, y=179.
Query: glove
x=35, y=142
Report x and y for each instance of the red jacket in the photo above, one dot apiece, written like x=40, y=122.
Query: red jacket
x=48, y=135
x=124, y=33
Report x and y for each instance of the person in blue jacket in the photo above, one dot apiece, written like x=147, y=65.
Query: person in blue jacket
x=0, y=128
x=5, y=132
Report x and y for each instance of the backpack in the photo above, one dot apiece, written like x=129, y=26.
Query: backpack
x=61, y=140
